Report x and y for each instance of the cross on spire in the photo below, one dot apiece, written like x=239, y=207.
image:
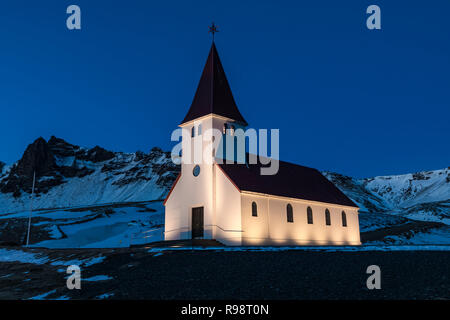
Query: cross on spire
x=213, y=30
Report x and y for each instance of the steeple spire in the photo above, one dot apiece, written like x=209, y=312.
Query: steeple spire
x=213, y=95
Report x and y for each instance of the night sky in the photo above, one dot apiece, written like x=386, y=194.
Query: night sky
x=346, y=99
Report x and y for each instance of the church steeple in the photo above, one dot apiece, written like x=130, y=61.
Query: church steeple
x=213, y=95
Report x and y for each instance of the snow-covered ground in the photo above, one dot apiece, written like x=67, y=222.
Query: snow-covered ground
x=109, y=226
x=13, y=255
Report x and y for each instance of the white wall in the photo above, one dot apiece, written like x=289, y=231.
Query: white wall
x=228, y=210
x=270, y=227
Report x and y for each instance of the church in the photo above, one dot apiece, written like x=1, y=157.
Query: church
x=236, y=205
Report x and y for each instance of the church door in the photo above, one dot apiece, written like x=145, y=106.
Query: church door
x=197, y=222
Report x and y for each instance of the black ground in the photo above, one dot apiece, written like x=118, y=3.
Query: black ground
x=138, y=274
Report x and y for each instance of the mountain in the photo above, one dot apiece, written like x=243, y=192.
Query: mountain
x=401, y=209
x=423, y=196
x=68, y=175
x=99, y=198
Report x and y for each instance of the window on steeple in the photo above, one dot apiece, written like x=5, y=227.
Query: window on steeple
x=193, y=132
x=225, y=127
x=199, y=129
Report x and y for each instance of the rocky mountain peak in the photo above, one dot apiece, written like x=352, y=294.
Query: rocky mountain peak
x=62, y=148
x=37, y=157
x=97, y=154
x=56, y=162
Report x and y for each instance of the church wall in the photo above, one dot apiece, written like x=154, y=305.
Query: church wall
x=271, y=226
x=228, y=211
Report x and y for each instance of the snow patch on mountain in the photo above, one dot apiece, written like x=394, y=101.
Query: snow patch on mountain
x=423, y=196
x=403, y=191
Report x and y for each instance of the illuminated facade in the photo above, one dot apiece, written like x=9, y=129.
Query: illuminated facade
x=234, y=203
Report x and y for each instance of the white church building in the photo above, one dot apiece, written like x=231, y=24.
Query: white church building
x=236, y=205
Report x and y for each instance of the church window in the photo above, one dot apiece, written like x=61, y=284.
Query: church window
x=199, y=129
x=254, y=209
x=344, y=219
x=327, y=217
x=309, y=214
x=232, y=130
x=289, y=213
x=196, y=171
x=193, y=132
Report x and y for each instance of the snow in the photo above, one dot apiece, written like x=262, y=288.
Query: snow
x=9, y=255
x=105, y=295
x=94, y=189
x=431, y=237
x=423, y=196
x=375, y=221
x=98, y=278
x=135, y=224
x=411, y=189
x=82, y=263
x=43, y=296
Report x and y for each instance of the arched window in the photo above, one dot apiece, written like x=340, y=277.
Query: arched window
x=193, y=132
x=254, y=209
x=309, y=214
x=327, y=217
x=344, y=219
x=199, y=129
x=289, y=213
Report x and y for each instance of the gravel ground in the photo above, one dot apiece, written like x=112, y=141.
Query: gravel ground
x=293, y=275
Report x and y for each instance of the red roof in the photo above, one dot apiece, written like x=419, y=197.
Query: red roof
x=213, y=93
x=292, y=181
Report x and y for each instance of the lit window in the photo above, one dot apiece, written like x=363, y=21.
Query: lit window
x=344, y=219
x=309, y=214
x=289, y=213
x=327, y=217
x=254, y=209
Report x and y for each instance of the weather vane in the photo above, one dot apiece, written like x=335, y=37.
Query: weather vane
x=213, y=29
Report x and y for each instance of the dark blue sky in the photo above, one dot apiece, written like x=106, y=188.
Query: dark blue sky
x=345, y=98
